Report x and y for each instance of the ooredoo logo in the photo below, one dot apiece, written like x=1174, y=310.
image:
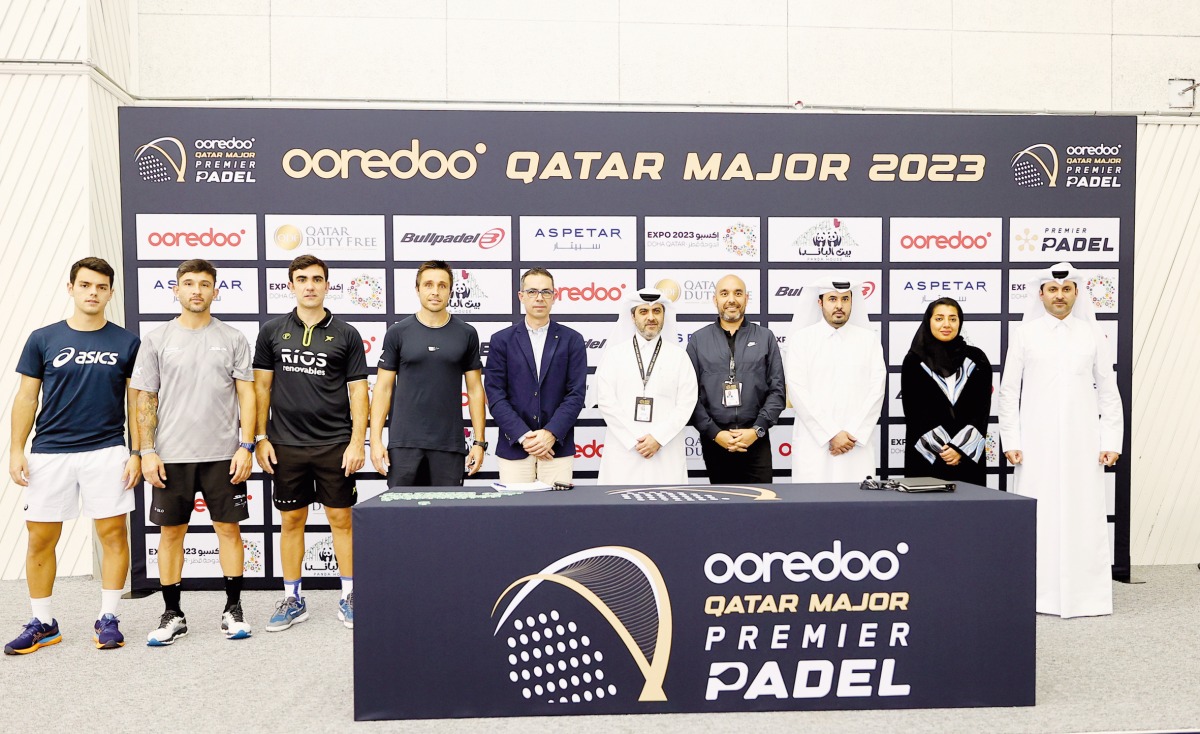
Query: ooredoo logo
x=404, y=163
x=157, y=160
x=796, y=566
x=955, y=241
x=593, y=450
x=590, y=292
x=205, y=238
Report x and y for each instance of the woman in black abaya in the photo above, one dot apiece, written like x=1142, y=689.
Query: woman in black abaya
x=946, y=389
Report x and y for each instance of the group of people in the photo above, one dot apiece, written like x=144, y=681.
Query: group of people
x=202, y=405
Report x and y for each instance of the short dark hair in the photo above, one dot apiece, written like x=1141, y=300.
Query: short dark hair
x=434, y=265
x=307, y=261
x=196, y=266
x=536, y=271
x=93, y=263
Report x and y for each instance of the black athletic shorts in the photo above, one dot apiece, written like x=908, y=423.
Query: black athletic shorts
x=425, y=468
x=224, y=501
x=308, y=474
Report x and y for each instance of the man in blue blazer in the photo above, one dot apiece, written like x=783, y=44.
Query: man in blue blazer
x=535, y=378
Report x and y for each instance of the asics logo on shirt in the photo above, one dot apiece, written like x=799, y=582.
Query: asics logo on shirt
x=89, y=357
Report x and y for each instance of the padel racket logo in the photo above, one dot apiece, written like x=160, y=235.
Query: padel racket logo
x=551, y=658
x=161, y=160
x=1036, y=166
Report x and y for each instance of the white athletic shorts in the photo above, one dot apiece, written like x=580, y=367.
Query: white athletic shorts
x=57, y=482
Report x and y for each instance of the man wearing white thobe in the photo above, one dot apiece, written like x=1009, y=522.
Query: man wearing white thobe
x=1060, y=425
x=645, y=396
x=836, y=380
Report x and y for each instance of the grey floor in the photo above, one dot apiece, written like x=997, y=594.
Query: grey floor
x=1132, y=672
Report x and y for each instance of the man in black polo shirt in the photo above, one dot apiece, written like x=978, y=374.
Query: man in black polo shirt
x=310, y=372
x=742, y=389
x=419, y=385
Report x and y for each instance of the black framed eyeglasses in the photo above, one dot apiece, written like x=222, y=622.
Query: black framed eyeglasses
x=534, y=293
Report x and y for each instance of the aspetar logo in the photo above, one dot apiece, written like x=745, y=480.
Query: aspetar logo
x=829, y=241
x=69, y=354
x=1036, y=166
x=161, y=160
x=627, y=590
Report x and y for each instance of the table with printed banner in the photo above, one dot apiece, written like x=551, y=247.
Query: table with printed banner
x=600, y=600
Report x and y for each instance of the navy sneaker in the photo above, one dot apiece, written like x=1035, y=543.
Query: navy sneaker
x=346, y=610
x=33, y=637
x=288, y=612
x=171, y=626
x=108, y=636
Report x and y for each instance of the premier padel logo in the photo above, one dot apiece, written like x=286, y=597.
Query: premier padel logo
x=1036, y=166
x=161, y=160
x=551, y=658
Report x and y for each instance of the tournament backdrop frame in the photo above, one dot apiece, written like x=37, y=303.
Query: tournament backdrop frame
x=917, y=206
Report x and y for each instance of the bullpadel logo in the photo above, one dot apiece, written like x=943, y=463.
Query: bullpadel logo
x=551, y=658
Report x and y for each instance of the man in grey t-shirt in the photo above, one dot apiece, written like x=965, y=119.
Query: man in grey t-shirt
x=194, y=378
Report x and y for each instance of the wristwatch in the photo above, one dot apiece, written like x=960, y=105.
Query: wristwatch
x=481, y=444
x=760, y=431
x=246, y=445
x=260, y=437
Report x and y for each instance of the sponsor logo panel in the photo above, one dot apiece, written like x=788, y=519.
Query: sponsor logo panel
x=895, y=449
x=708, y=239
x=214, y=160
x=977, y=291
x=372, y=333
x=486, y=238
x=578, y=238
x=784, y=288
x=318, y=560
x=237, y=291
x=178, y=237
x=599, y=291
x=691, y=291
x=957, y=239
x=329, y=237
x=352, y=291
x=589, y=448
x=982, y=334
x=595, y=337
x=1056, y=239
x=475, y=291
x=200, y=557
x=825, y=239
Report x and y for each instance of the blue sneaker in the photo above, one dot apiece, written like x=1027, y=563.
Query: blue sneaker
x=346, y=610
x=34, y=636
x=287, y=612
x=107, y=636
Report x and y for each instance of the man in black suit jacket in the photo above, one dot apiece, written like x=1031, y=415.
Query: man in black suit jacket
x=535, y=379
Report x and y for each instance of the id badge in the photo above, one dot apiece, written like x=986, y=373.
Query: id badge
x=732, y=397
x=643, y=411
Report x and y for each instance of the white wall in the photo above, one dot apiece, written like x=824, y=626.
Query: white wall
x=65, y=66
x=1019, y=55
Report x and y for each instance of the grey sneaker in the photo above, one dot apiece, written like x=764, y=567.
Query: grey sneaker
x=171, y=626
x=233, y=623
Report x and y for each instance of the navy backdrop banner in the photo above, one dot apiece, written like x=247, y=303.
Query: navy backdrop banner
x=914, y=206
x=694, y=599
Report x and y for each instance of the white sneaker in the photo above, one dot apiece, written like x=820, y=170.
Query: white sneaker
x=171, y=626
x=233, y=624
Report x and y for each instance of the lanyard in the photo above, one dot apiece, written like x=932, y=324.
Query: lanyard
x=637, y=352
x=731, y=339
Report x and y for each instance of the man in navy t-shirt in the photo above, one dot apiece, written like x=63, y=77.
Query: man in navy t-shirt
x=81, y=367
x=425, y=359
